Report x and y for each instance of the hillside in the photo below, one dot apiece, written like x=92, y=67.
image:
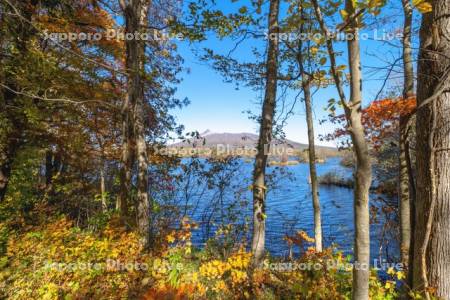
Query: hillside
x=210, y=139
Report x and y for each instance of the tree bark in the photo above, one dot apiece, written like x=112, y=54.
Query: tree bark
x=127, y=163
x=143, y=200
x=5, y=173
x=128, y=137
x=265, y=138
x=408, y=69
x=412, y=203
x=363, y=172
x=404, y=195
x=306, y=86
x=312, y=165
x=127, y=159
x=53, y=167
x=11, y=139
x=432, y=225
x=5, y=164
x=49, y=171
x=404, y=201
x=103, y=189
x=135, y=21
x=363, y=168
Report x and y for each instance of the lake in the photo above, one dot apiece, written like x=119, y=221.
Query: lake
x=289, y=208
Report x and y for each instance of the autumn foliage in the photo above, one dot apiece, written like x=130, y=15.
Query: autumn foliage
x=58, y=260
x=380, y=119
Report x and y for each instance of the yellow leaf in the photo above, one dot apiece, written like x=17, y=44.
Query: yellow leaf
x=374, y=3
x=423, y=6
x=389, y=284
x=170, y=238
x=400, y=275
x=344, y=14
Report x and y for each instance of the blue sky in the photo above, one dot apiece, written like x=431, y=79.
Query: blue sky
x=219, y=107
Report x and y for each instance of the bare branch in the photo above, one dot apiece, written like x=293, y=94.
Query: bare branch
x=64, y=100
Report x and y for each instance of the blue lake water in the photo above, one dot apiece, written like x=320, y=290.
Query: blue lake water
x=289, y=208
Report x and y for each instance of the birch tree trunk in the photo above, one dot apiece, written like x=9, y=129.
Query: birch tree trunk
x=363, y=168
x=265, y=138
x=306, y=86
x=312, y=165
x=405, y=197
x=363, y=172
x=432, y=222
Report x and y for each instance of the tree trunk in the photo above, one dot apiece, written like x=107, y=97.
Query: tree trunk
x=363, y=179
x=127, y=160
x=48, y=167
x=136, y=20
x=128, y=136
x=10, y=142
x=53, y=163
x=408, y=84
x=404, y=195
x=404, y=201
x=363, y=168
x=363, y=176
x=432, y=226
x=312, y=165
x=143, y=201
x=265, y=138
x=412, y=194
x=103, y=189
x=5, y=169
x=5, y=173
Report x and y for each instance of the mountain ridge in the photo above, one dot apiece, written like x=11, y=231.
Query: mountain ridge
x=208, y=139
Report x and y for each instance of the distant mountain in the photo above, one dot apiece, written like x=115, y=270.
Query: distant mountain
x=210, y=139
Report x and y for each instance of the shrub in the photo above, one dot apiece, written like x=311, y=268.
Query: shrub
x=36, y=266
x=333, y=178
x=58, y=260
